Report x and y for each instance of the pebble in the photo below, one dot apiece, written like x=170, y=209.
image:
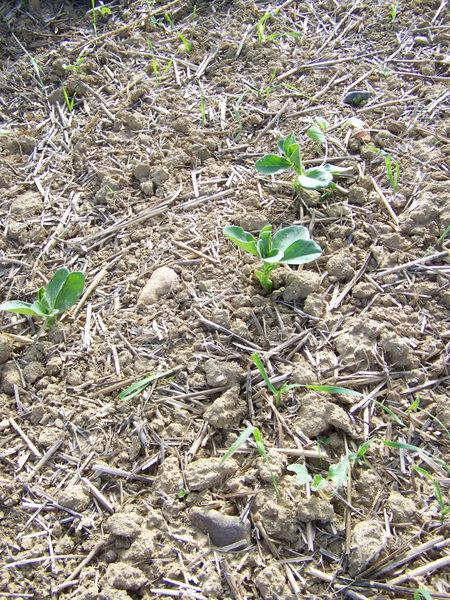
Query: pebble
x=161, y=282
x=223, y=530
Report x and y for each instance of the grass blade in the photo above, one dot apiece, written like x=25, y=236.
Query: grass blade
x=238, y=443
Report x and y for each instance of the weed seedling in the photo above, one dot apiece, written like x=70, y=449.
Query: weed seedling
x=289, y=159
x=392, y=171
x=422, y=594
x=62, y=292
x=138, y=387
x=444, y=508
x=69, y=100
x=290, y=246
x=99, y=11
x=185, y=43
x=317, y=131
x=279, y=392
x=394, y=10
x=261, y=29
x=202, y=108
x=77, y=66
x=444, y=235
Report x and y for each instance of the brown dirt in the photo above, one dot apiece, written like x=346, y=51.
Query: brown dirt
x=105, y=498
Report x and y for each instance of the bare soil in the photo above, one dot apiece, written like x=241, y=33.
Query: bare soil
x=104, y=498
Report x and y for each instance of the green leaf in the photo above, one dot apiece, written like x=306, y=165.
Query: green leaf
x=338, y=473
x=259, y=441
x=262, y=371
x=241, y=440
x=70, y=291
x=318, y=483
x=301, y=252
x=55, y=285
x=284, y=144
x=402, y=445
x=303, y=477
x=288, y=235
x=315, y=179
x=422, y=594
x=322, y=123
x=139, y=386
x=23, y=308
x=241, y=238
x=316, y=134
x=337, y=171
x=423, y=472
x=270, y=164
x=332, y=389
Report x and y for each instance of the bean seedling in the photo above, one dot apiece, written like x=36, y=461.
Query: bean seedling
x=61, y=292
x=286, y=387
x=289, y=158
x=291, y=246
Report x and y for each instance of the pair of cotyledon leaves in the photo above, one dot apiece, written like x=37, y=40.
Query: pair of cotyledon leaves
x=289, y=158
x=62, y=291
x=291, y=245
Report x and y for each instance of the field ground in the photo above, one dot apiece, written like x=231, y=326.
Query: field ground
x=129, y=148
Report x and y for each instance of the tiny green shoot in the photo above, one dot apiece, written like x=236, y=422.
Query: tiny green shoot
x=61, y=292
x=77, y=66
x=69, y=100
x=317, y=131
x=392, y=171
x=444, y=235
x=336, y=477
x=185, y=43
x=291, y=246
x=394, y=10
x=261, y=29
x=138, y=387
x=202, y=108
x=286, y=387
x=443, y=506
x=289, y=159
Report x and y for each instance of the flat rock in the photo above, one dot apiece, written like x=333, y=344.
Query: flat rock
x=206, y=473
x=368, y=540
x=223, y=530
x=28, y=203
x=162, y=282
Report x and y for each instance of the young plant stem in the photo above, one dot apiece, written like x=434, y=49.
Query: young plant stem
x=264, y=276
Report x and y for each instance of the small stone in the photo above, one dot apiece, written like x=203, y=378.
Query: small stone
x=74, y=497
x=403, y=509
x=219, y=373
x=397, y=350
x=48, y=436
x=123, y=576
x=142, y=548
x=300, y=284
x=253, y=221
x=162, y=282
x=368, y=540
x=223, y=530
x=28, y=203
x=310, y=197
x=226, y=411
x=10, y=378
x=147, y=188
x=142, y=171
x=356, y=97
x=271, y=583
x=5, y=351
x=206, y=473
x=33, y=371
x=182, y=125
x=125, y=524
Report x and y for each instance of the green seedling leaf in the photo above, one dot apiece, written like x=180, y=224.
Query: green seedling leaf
x=315, y=179
x=235, y=446
x=338, y=473
x=316, y=134
x=301, y=252
x=318, y=483
x=284, y=238
x=23, y=308
x=402, y=445
x=54, y=287
x=337, y=171
x=422, y=593
x=423, y=472
x=257, y=436
x=303, y=477
x=262, y=371
x=138, y=387
x=241, y=238
x=329, y=389
x=70, y=292
x=444, y=234
x=270, y=164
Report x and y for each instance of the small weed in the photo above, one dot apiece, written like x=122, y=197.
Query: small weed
x=138, y=387
x=185, y=43
x=290, y=246
x=202, y=108
x=444, y=235
x=261, y=29
x=422, y=594
x=99, y=12
x=317, y=131
x=69, y=100
x=444, y=508
x=289, y=159
x=77, y=66
x=392, y=171
x=157, y=73
x=62, y=292
x=286, y=387
x=394, y=10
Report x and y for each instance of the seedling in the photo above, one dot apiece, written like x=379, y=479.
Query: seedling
x=286, y=387
x=202, y=108
x=291, y=246
x=444, y=235
x=185, y=43
x=289, y=159
x=394, y=10
x=77, y=66
x=138, y=387
x=69, y=100
x=156, y=71
x=443, y=506
x=317, y=131
x=392, y=172
x=62, y=292
x=98, y=11
x=261, y=29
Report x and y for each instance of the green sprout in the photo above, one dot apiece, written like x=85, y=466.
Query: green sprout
x=185, y=43
x=261, y=29
x=77, y=66
x=138, y=387
x=98, y=11
x=392, y=171
x=444, y=508
x=62, y=292
x=290, y=246
x=394, y=10
x=289, y=158
x=444, y=235
x=202, y=108
x=69, y=100
x=317, y=131
x=286, y=387
x=158, y=75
